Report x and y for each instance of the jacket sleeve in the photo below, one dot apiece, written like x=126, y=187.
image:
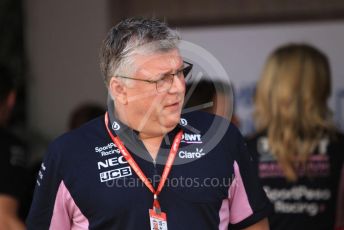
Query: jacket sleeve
x=46, y=204
x=247, y=199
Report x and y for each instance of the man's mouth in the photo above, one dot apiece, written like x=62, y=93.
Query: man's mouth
x=174, y=105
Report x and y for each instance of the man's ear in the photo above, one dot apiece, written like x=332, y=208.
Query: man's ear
x=118, y=90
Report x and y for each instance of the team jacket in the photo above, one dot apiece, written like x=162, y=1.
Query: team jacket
x=316, y=200
x=85, y=182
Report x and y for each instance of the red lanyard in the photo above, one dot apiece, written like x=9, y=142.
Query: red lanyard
x=137, y=169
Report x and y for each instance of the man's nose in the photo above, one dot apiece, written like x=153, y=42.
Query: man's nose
x=178, y=84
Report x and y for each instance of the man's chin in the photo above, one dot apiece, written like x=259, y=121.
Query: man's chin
x=169, y=125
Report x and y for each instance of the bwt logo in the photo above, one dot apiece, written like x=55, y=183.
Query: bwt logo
x=191, y=155
x=191, y=138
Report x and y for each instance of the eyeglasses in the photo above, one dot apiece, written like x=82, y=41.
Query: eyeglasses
x=166, y=80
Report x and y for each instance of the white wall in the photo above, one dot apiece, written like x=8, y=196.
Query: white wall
x=242, y=50
x=62, y=39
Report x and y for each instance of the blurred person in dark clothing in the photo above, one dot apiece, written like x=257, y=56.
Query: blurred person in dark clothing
x=84, y=113
x=299, y=151
x=12, y=158
x=212, y=96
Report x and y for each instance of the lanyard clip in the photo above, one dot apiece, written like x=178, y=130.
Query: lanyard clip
x=156, y=205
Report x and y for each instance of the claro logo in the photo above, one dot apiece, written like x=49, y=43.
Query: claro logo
x=191, y=155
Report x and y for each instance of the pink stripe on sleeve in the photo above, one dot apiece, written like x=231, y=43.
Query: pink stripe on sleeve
x=66, y=214
x=224, y=215
x=236, y=207
x=239, y=205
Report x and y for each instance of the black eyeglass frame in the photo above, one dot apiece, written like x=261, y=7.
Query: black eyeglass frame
x=186, y=70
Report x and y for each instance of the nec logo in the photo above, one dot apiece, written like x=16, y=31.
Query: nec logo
x=111, y=162
x=192, y=138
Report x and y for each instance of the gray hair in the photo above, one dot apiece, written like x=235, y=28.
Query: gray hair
x=132, y=36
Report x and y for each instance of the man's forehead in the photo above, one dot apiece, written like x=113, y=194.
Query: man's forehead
x=164, y=61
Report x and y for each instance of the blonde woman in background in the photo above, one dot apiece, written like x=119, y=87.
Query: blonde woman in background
x=298, y=150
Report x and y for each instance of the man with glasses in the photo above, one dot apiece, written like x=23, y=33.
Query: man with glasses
x=137, y=167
